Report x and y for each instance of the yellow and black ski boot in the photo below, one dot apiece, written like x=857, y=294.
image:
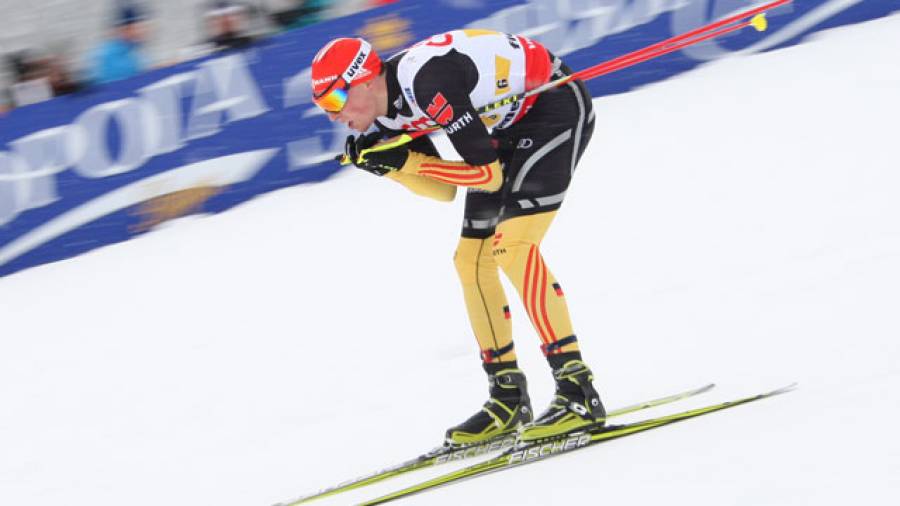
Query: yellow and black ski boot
x=507, y=409
x=576, y=405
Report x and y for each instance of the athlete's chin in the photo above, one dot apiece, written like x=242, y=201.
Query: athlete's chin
x=360, y=127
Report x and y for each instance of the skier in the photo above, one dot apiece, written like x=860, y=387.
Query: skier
x=517, y=163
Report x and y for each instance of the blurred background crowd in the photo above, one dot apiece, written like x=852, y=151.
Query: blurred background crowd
x=55, y=47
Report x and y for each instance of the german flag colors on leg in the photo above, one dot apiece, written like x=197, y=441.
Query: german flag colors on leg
x=516, y=248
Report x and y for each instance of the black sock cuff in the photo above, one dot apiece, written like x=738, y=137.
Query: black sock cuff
x=559, y=360
x=495, y=367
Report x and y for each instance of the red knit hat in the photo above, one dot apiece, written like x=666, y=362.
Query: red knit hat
x=341, y=64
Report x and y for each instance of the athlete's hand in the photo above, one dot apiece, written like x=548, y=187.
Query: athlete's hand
x=376, y=162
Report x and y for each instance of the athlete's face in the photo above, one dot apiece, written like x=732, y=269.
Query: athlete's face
x=361, y=108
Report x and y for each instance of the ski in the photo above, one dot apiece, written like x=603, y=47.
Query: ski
x=533, y=452
x=444, y=454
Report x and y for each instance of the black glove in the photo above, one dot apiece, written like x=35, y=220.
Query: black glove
x=376, y=162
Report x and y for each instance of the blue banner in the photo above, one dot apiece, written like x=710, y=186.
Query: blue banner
x=102, y=166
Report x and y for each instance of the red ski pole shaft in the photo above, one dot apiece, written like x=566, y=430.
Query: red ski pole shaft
x=588, y=72
x=694, y=36
x=613, y=66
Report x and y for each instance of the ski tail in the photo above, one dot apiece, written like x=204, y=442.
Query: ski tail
x=363, y=481
x=442, y=455
x=534, y=452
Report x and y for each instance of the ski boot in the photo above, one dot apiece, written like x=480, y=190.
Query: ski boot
x=576, y=405
x=507, y=409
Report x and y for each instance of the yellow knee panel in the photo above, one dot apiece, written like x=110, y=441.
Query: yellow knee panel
x=516, y=249
x=513, y=238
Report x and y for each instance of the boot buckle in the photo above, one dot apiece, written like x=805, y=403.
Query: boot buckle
x=578, y=409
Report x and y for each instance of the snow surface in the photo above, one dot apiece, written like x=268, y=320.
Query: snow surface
x=739, y=224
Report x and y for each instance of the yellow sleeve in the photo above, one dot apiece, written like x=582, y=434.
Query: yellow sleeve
x=424, y=186
x=486, y=177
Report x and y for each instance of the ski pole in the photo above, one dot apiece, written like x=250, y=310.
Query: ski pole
x=706, y=32
x=716, y=29
x=758, y=22
x=611, y=66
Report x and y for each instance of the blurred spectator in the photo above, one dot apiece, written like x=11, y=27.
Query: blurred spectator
x=348, y=7
x=57, y=72
x=39, y=77
x=226, y=26
x=120, y=57
x=288, y=14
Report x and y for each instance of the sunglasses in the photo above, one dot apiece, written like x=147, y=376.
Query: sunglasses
x=334, y=98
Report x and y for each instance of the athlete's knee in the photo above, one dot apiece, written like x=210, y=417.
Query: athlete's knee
x=519, y=239
x=507, y=249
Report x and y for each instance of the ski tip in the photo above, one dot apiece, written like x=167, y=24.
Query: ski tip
x=785, y=389
x=759, y=22
x=705, y=388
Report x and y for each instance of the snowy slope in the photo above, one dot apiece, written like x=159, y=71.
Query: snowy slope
x=739, y=224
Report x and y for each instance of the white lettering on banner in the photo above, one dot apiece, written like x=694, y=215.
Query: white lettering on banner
x=165, y=97
x=310, y=151
x=138, y=130
x=13, y=194
x=148, y=125
x=297, y=89
x=31, y=166
x=564, y=27
x=203, y=119
x=224, y=85
x=222, y=171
